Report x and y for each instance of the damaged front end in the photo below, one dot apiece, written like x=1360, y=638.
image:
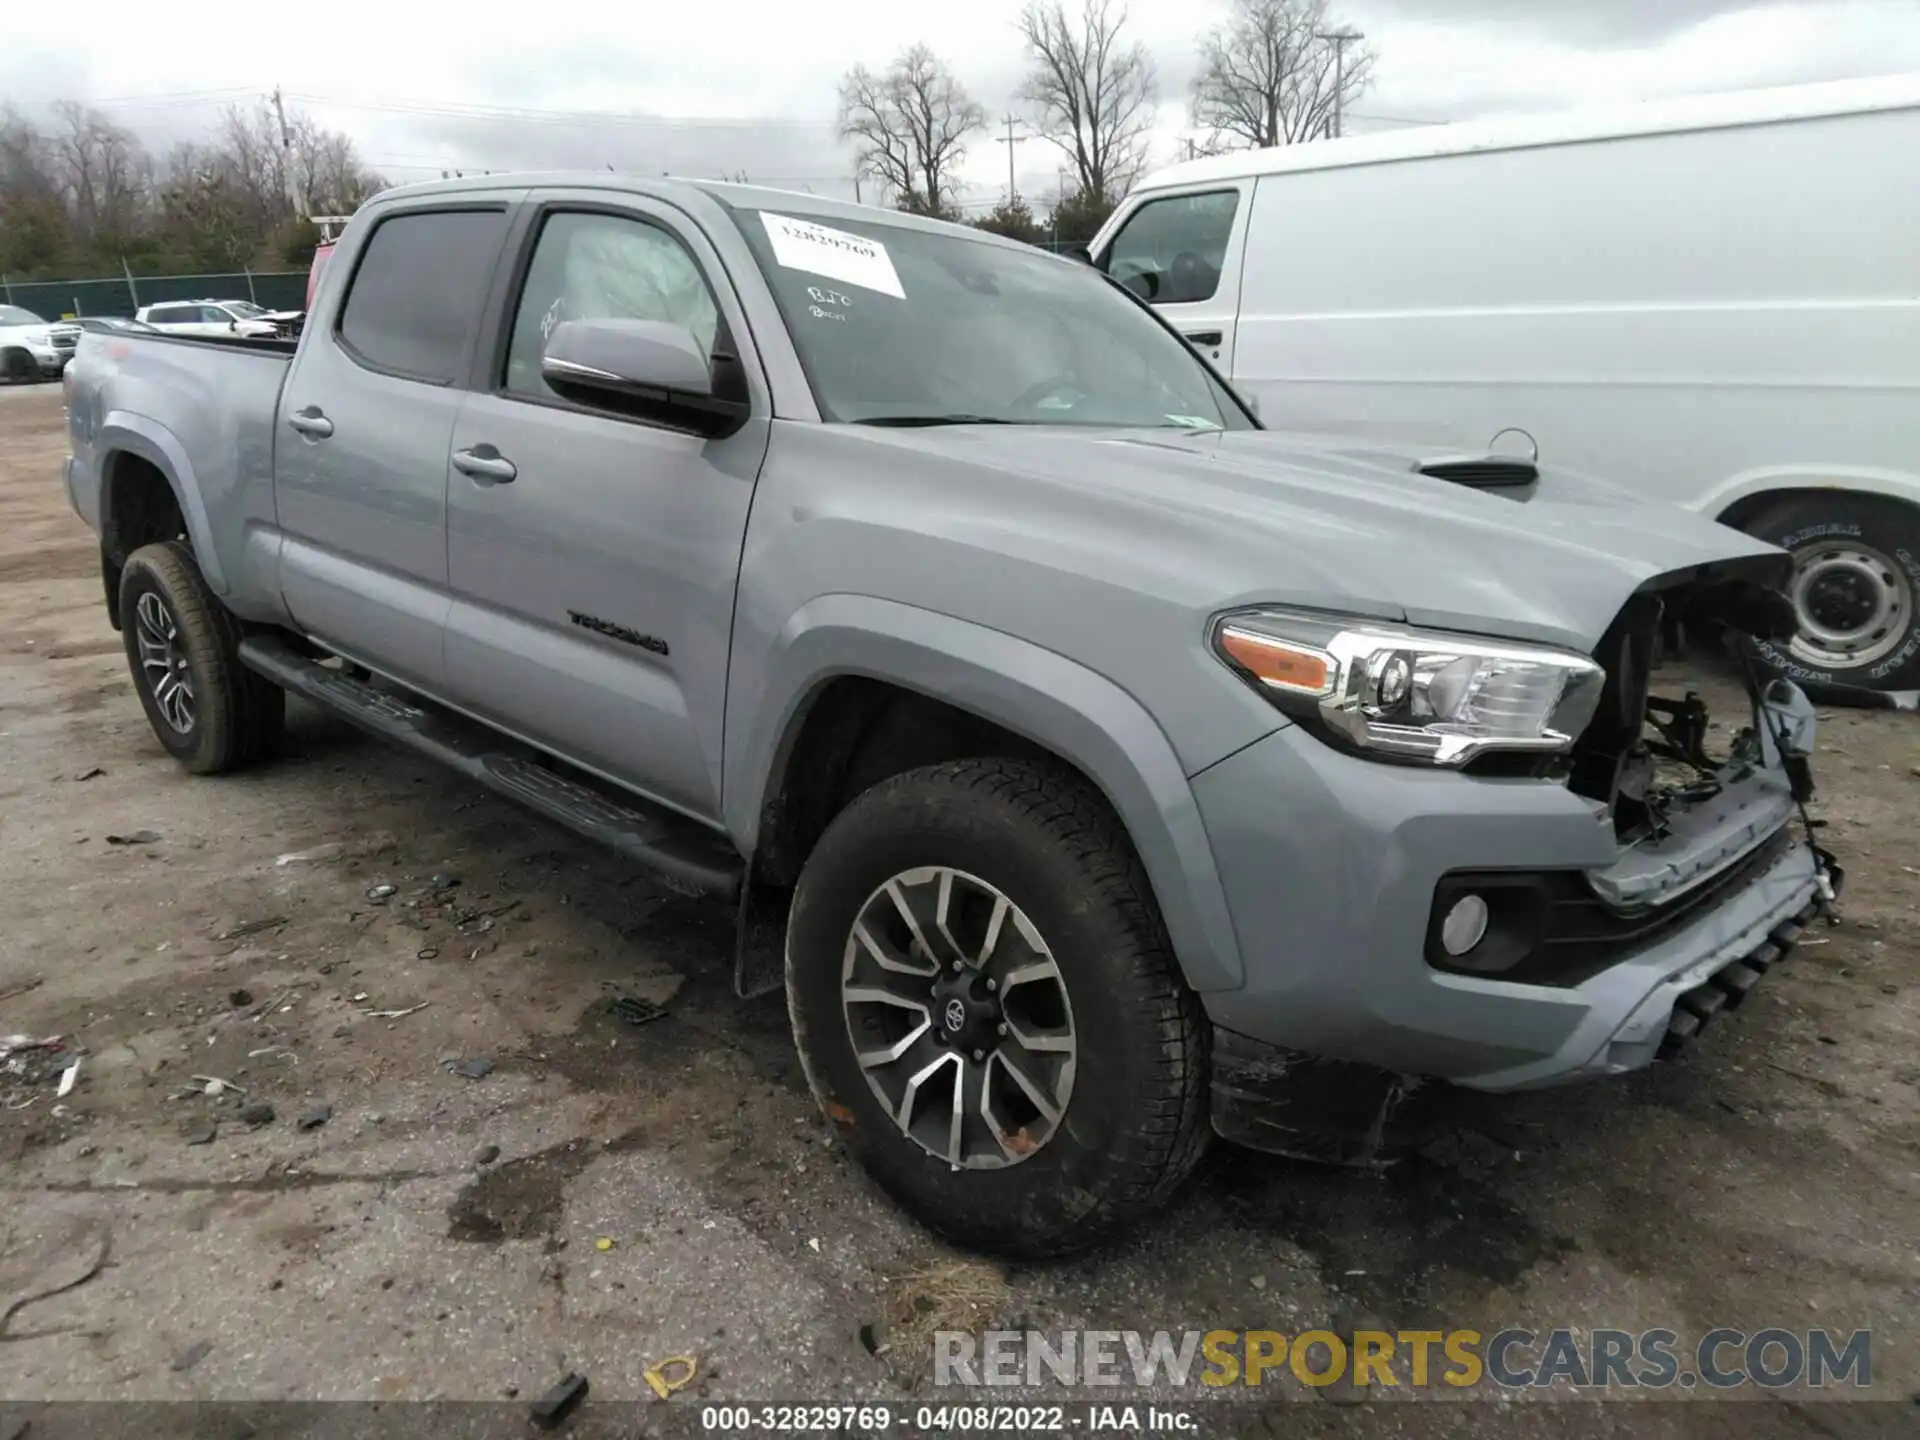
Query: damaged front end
x=1705, y=813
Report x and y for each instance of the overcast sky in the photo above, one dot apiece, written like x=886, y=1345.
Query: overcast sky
x=719, y=86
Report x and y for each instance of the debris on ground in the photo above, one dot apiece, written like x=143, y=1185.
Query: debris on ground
x=473, y=1067
x=380, y=894
x=486, y=1155
x=22, y=988
x=316, y=1117
x=252, y=927
x=200, y=1132
x=554, y=1406
x=635, y=1011
x=873, y=1339
x=27, y=1061
x=676, y=1372
x=604, y=1243
x=214, y=1087
x=94, y=774
x=68, y=1078
x=240, y=999
x=81, y=1255
x=192, y=1356
x=257, y=1113
x=945, y=1295
x=137, y=837
x=397, y=1014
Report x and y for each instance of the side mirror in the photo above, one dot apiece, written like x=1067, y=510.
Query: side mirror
x=1080, y=252
x=234, y=325
x=646, y=368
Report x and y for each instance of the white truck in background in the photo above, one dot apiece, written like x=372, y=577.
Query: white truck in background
x=1714, y=301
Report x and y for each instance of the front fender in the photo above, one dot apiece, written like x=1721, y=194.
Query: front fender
x=123, y=431
x=1036, y=693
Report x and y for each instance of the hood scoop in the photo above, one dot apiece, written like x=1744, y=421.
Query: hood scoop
x=1482, y=472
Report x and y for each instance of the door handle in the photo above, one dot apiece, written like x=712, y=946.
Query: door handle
x=311, y=422
x=483, y=462
x=1205, y=337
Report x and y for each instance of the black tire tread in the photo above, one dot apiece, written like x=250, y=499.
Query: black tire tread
x=242, y=717
x=1164, y=1148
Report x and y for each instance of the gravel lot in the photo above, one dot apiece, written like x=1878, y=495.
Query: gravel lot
x=668, y=1189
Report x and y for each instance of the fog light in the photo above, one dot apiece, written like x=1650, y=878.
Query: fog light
x=1465, y=925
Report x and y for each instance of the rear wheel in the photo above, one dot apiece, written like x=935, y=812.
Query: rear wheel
x=18, y=367
x=183, y=646
x=987, y=1006
x=1856, y=580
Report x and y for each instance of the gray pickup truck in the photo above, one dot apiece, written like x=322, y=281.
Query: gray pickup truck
x=1097, y=769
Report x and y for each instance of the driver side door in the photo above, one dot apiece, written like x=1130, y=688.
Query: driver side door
x=1181, y=254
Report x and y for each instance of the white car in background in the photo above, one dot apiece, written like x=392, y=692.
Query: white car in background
x=209, y=317
x=31, y=347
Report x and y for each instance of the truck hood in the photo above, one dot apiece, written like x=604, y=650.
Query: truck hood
x=1332, y=523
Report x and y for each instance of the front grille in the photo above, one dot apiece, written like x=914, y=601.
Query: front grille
x=1583, y=936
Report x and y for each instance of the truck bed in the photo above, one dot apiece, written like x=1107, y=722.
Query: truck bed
x=202, y=409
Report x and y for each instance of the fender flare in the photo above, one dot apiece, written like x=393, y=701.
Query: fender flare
x=122, y=431
x=1055, y=702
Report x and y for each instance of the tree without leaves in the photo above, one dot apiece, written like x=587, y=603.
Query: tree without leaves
x=909, y=126
x=1267, y=78
x=1094, y=94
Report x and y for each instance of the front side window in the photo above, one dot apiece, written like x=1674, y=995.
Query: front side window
x=1171, y=251
x=604, y=267
x=904, y=324
x=11, y=315
x=419, y=289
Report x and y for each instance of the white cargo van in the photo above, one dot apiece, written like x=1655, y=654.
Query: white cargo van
x=1713, y=300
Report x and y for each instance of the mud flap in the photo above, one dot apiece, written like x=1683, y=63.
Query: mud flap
x=760, y=937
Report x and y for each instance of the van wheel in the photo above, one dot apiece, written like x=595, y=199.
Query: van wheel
x=987, y=1006
x=183, y=646
x=1856, y=580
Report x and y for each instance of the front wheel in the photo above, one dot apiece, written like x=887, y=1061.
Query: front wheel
x=183, y=646
x=986, y=1004
x=1856, y=579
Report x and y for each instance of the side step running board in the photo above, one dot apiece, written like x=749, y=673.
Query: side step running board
x=681, y=851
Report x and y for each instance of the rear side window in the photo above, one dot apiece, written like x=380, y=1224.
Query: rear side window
x=418, y=289
x=1170, y=251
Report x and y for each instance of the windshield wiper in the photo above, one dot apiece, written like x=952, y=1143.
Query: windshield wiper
x=921, y=420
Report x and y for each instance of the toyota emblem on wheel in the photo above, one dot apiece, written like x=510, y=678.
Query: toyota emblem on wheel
x=956, y=1016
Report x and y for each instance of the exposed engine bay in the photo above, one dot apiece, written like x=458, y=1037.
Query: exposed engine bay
x=1649, y=758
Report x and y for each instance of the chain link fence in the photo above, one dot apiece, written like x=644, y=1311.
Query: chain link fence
x=71, y=299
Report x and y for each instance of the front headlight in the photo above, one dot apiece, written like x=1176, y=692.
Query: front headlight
x=1412, y=694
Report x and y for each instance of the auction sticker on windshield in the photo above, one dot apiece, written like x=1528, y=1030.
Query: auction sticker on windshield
x=836, y=254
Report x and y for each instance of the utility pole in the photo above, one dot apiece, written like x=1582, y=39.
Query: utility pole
x=856, y=189
x=1339, y=39
x=294, y=196
x=1010, y=140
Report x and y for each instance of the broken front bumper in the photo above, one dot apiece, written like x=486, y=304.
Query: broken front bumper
x=1331, y=865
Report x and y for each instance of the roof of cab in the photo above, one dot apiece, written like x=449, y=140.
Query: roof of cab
x=1567, y=127
x=673, y=187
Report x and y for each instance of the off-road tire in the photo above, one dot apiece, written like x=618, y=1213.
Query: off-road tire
x=238, y=715
x=1136, y=1121
x=1835, y=517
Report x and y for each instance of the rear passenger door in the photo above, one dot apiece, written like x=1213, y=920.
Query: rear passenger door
x=593, y=555
x=366, y=420
x=1181, y=253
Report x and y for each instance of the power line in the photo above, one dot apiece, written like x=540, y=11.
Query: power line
x=1010, y=140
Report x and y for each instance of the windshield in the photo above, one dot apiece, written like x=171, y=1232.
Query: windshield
x=13, y=315
x=241, y=308
x=899, y=325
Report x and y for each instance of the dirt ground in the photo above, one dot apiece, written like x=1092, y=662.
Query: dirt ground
x=667, y=1188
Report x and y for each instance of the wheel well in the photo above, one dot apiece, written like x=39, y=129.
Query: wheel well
x=855, y=733
x=1748, y=508
x=140, y=509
